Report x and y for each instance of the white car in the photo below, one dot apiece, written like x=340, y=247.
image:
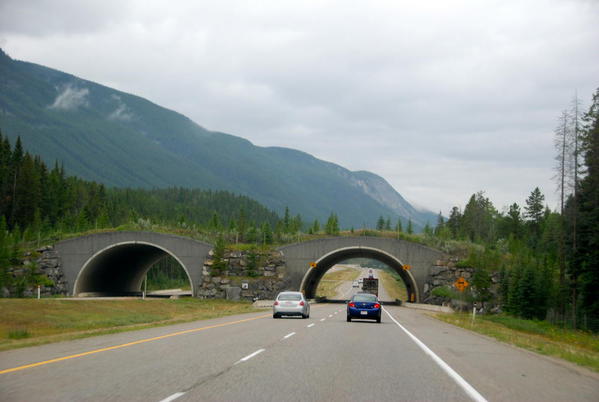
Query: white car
x=356, y=284
x=290, y=303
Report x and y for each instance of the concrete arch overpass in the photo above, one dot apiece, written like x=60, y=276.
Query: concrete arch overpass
x=115, y=263
x=325, y=253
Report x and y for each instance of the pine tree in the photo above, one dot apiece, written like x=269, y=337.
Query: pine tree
x=219, y=265
x=427, y=229
x=534, y=211
x=398, y=227
x=287, y=221
x=266, y=233
x=454, y=223
x=585, y=265
x=332, y=226
x=410, y=229
x=440, y=228
x=315, y=226
x=380, y=223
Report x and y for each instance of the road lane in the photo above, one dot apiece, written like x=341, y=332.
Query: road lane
x=138, y=372
x=315, y=363
x=500, y=372
x=336, y=361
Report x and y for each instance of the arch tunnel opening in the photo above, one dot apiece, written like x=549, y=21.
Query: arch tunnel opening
x=345, y=279
x=120, y=270
x=315, y=275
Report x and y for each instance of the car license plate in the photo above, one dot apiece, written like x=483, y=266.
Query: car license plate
x=364, y=312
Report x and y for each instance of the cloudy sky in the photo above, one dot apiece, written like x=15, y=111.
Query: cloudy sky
x=441, y=98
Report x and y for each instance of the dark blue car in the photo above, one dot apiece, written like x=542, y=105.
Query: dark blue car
x=364, y=306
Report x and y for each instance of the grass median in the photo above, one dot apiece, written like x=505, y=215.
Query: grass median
x=28, y=322
x=394, y=286
x=578, y=347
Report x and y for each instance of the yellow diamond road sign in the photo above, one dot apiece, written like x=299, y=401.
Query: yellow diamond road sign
x=461, y=284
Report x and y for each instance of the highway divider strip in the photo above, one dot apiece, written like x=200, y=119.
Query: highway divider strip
x=124, y=345
x=469, y=389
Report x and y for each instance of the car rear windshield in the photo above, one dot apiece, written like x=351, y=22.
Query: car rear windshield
x=290, y=296
x=365, y=298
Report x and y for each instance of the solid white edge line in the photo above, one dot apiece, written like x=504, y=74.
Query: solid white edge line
x=289, y=335
x=173, y=397
x=248, y=357
x=311, y=325
x=469, y=389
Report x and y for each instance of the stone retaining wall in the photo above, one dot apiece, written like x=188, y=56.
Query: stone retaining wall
x=444, y=274
x=263, y=282
x=35, y=267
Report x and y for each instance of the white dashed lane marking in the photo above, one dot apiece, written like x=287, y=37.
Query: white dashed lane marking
x=289, y=335
x=311, y=325
x=173, y=397
x=248, y=357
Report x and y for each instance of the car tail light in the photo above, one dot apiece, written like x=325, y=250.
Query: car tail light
x=352, y=304
x=301, y=303
x=377, y=305
x=276, y=303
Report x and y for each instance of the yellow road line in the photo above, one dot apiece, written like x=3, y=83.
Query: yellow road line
x=124, y=345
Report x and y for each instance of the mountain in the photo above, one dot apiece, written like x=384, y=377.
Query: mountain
x=123, y=140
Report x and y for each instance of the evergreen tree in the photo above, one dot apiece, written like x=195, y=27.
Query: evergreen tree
x=512, y=222
x=534, y=211
x=287, y=221
x=380, y=223
x=332, y=226
x=214, y=222
x=481, y=284
x=410, y=229
x=388, y=224
x=266, y=233
x=241, y=224
x=428, y=231
x=398, y=227
x=478, y=220
x=219, y=265
x=454, y=222
x=296, y=224
x=440, y=228
x=252, y=234
x=584, y=267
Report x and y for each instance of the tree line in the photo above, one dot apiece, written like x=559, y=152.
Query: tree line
x=548, y=260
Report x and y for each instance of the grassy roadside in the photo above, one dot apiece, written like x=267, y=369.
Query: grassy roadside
x=332, y=280
x=394, y=288
x=578, y=347
x=28, y=322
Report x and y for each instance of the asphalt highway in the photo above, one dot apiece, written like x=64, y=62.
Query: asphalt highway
x=253, y=357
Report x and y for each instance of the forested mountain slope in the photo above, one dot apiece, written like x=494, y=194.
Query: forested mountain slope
x=123, y=140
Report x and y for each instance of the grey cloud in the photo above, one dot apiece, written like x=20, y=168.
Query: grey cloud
x=122, y=111
x=49, y=17
x=442, y=99
x=70, y=98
